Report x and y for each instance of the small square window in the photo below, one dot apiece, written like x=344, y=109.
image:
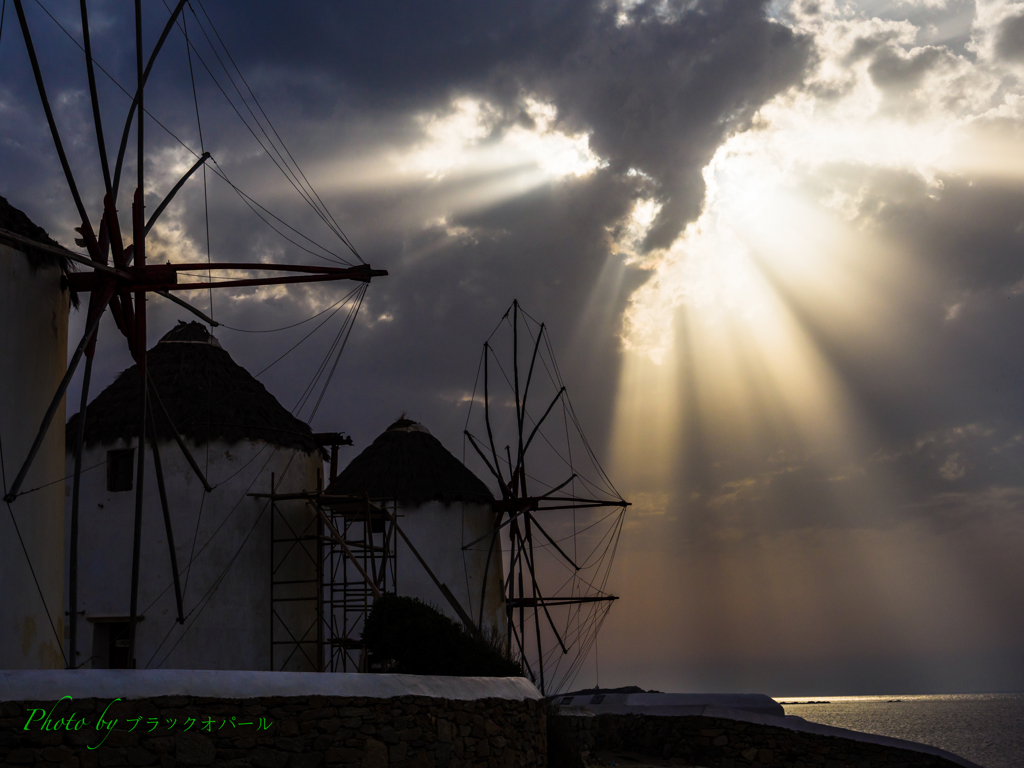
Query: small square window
x=120, y=469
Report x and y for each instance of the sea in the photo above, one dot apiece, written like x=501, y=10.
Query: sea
x=987, y=729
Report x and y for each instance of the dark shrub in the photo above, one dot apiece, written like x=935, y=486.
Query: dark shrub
x=413, y=638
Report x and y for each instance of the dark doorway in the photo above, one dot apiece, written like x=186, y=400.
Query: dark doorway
x=117, y=651
x=120, y=469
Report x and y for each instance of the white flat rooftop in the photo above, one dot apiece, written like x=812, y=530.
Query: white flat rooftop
x=743, y=707
x=51, y=685
x=670, y=704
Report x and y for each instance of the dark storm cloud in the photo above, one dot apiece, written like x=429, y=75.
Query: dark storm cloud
x=950, y=452
x=1010, y=38
x=939, y=395
x=642, y=87
x=658, y=94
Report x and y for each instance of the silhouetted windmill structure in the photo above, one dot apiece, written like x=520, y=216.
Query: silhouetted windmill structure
x=122, y=286
x=534, y=493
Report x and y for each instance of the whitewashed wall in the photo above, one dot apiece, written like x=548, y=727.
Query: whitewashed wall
x=33, y=356
x=229, y=623
x=439, y=532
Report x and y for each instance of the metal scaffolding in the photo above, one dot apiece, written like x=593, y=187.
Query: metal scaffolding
x=328, y=563
x=347, y=596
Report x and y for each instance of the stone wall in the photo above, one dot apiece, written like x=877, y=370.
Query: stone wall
x=717, y=742
x=295, y=732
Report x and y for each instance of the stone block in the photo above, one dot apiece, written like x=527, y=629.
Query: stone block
x=329, y=725
x=306, y=760
x=343, y=755
x=21, y=756
x=289, y=727
x=290, y=745
x=110, y=758
x=140, y=757
x=193, y=749
x=118, y=738
x=444, y=754
x=397, y=752
x=161, y=744
x=375, y=754
x=56, y=754
x=45, y=738
x=269, y=758
x=444, y=732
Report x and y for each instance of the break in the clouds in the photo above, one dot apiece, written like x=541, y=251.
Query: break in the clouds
x=776, y=244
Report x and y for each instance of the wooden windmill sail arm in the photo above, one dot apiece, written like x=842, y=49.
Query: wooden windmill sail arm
x=359, y=274
x=531, y=602
x=12, y=492
x=540, y=599
x=135, y=101
x=185, y=305
x=582, y=505
x=553, y=542
x=19, y=240
x=540, y=421
x=452, y=601
x=177, y=436
x=487, y=419
x=165, y=508
x=536, y=503
x=87, y=231
x=529, y=376
x=94, y=96
x=512, y=516
x=174, y=190
x=164, y=277
x=472, y=441
x=515, y=507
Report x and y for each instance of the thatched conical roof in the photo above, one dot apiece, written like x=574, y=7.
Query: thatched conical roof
x=409, y=464
x=14, y=220
x=208, y=396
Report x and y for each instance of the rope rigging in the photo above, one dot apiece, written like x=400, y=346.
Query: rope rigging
x=251, y=203
x=560, y=600
x=117, y=287
x=295, y=176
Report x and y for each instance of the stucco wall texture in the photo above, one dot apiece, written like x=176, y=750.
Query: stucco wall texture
x=222, y=541
x=33, y=348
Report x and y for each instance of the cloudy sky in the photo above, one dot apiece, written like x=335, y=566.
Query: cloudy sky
x=776, y=246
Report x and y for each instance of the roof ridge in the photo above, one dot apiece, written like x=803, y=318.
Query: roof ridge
x=413, y=467
x=207, y=394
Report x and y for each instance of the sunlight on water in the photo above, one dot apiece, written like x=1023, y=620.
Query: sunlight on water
x=987, y=729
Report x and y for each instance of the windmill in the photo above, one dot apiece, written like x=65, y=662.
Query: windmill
x=548, y=500
x=120, y=279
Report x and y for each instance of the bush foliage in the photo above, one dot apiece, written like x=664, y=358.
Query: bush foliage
x=413, y=638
